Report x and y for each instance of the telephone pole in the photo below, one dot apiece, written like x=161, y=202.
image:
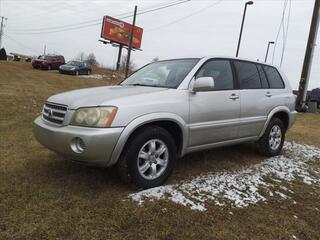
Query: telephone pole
x=306, y=69
x=1, y=28
x=130, y=42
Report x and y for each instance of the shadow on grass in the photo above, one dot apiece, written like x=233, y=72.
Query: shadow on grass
x=49, y=168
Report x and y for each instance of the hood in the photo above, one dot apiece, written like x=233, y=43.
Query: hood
x=100, y=96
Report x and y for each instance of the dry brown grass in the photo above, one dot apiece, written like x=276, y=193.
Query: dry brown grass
x=42, y=196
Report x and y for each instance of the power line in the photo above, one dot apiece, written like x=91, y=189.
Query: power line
x=93, y=22
x=286, y=33
x=21, y=44
x=84, y=22
x=280, y=27
x=185, y=17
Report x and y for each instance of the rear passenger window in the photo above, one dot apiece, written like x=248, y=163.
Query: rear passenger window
x=263, y=77
x=221, y=72
x=274, y=78
x=248, y=75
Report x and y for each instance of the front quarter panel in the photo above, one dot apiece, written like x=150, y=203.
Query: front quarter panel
x=133, y=112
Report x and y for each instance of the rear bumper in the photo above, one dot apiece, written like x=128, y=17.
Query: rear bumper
x=98, y=142
x=292, y=118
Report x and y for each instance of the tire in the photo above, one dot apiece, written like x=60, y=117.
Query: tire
x=149, y=170
x=270, y=144
x=49, y=67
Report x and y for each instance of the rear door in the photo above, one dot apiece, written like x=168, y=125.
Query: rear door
x=214, y=115
x=255, y=98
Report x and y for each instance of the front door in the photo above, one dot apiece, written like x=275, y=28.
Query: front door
x=214, y=115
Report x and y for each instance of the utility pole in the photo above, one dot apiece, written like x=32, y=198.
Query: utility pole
x=242, y=23
x=1, y=28
x=306, y=69
x=266, y=58
x=131, y=38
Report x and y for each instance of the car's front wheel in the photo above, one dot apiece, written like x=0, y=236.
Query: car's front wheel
x=271, y=142
x=148, y=158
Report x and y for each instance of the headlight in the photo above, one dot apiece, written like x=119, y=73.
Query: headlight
x=94, y=117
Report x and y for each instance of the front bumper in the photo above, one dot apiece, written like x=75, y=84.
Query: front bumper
x=98, y=142
x=65, y=71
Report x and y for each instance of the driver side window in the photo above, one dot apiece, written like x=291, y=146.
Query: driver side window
x=221, y=72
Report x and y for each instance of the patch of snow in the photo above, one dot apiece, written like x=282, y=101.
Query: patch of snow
x=94, y=76
x=240, y=188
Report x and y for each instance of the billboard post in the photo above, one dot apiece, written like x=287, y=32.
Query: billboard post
x=131, y=39
x=119, y=57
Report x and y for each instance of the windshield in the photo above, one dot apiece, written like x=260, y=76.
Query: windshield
x=43, y=57
x=75, y=63
x=166, y=74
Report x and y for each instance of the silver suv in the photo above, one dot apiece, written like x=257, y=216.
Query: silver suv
x=168, y=109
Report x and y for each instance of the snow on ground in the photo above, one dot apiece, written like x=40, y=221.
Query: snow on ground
x=244, y=187
x=94, y=76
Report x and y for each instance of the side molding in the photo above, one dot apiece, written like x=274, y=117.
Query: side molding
x=145, y=119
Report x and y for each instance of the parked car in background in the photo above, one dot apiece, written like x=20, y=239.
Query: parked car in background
x=49, y=62
x=315, y=96
x=75, y=68
x=168, y=109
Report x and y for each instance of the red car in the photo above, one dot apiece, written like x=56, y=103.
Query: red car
x=48, y=62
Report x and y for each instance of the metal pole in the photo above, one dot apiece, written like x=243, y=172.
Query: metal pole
x=266, y=58
x=44, y=49
x=130, y=42
x=242, y=23
x=119, y=57
x=306, y=69
x=1, y=31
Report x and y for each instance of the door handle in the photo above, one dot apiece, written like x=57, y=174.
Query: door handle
x=268, y=94
x=234, y=96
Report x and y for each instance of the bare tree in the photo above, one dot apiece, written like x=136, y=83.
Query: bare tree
x=81, y=56
x=124, y=63
x=91, y=59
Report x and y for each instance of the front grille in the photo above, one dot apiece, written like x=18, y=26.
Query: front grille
x=54, y=113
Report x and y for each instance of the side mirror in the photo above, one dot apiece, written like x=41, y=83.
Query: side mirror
x=203, y=84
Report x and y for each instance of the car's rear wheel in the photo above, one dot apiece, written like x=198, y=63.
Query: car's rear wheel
x=271, y=142
x=148, y=158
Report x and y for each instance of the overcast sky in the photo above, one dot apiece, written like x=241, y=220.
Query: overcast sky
x=193, y=29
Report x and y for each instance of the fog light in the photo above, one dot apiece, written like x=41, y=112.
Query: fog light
x=78, y=145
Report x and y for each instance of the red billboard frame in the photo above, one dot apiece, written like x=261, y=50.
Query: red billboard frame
x=118, y=31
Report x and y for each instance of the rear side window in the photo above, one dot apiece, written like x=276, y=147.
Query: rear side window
x=263, y=77
x=221, y=72
x=274, y=78
x=248, y=75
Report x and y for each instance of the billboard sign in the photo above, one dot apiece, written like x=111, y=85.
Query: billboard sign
x=118, y=31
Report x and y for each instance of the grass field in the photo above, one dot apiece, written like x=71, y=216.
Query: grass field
x=43, y=196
